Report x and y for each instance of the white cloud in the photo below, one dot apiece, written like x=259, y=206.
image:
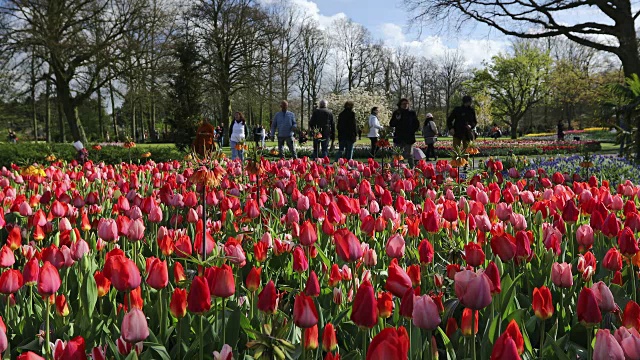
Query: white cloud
x=475, y=51
x=309, y=11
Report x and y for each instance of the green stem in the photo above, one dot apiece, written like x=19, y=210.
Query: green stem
x=224, y=321
x=589, y=339
x=410, y=338
x=542, y=332
x=163, y=319
x=473, y=336
x=364, y=343
x=179, y=329
x=633, y=281
x=201, y=339
x=429, y=353
x=47, y=331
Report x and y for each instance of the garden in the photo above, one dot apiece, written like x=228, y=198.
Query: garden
x=296, y=259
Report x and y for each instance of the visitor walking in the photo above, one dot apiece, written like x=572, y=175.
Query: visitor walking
x=237, y=136
x=324, y=129
x=285, y=122
x=257, y=134
x=374, y=131
x=263, y=136
x=461, y=122
x=82, y=155
x=405, y=123
x=430, y=132
x=347, y=132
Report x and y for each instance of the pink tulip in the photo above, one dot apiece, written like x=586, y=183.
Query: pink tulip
x=561, y=275
x=604, y=297
x=226, y=353
x=136, y=230
x=134, y=326
x=629, y=341
x=425, y=313
x=584, y=236
x=395, y=246
x=107, y=229
x=473, y=289
x=606, y=347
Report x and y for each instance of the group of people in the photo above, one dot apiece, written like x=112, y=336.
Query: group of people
x=322, y=125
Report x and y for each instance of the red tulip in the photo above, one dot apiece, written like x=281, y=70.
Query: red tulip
x=425, y=250
x=178, y=304
x=364, y=312
x=253, y=280
x=425, y=313
x=347, y=245
x=493, y=274
x=631, y=315
x=414, y=274
x=300, y=262
x=335, y=276
x=406, y=303
x=29, y=356
x=505, y=349
x=312, y=287
x=14, y=240
x=504, y=246
x=268, y=298
x=102, y=283
x=465, y=323
x=221, y=281
x=122, y=272
x=308, y=233
x=31, y=272
x=178, y=273
x=588, y=310
x=199, y=298
x=134, y=326
x=158, y=274
x=310, y=338
x=452, y=326
x=473, y=254
x=62, y=306
x=570, y=212
x=260, y=251
x=611, y=226
x=627, y=242
x=385, y=304
x=612, y=260
x=398, y=281
x=329, y=339
x=450, y=212
x=133, y=300
x=48, y=280
x=390, y=343
x=305, y=314
x=542, y=303
x=10, y=281
x=473, y=289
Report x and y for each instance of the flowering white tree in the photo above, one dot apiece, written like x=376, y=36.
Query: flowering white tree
x=363, y=101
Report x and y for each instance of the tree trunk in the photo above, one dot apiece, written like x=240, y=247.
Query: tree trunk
x=63, y=137
x=113, y=112
x=225, y=97
x=133, y=123
x=100, y=121
x=70, y=110
x=47, y=111
x=34, y=111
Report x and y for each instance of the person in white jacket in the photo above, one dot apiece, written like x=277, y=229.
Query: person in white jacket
x=374, y=128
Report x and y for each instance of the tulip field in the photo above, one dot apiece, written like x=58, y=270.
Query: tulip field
x=298, y=259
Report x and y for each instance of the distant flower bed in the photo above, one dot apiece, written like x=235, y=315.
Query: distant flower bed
x=616, y=170
x=521, y=147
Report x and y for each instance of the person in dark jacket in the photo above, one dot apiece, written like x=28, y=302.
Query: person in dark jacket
x=322, y=122
x=560, y=131
x=461, y=122
x=405, y=123
x=347, y=131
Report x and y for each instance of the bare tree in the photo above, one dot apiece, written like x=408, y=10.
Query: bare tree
x=548, y=18
x=314, y=49
x=451, y=73
x=229, y=30
x=352, y=42
x=56, y=29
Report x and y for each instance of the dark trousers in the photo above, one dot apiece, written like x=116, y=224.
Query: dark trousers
x=431, y=151
x=320, y=145
x=374, y=146
x=290, y=145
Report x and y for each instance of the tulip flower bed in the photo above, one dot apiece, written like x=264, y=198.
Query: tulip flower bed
x=297, y=259
x=614, y=168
